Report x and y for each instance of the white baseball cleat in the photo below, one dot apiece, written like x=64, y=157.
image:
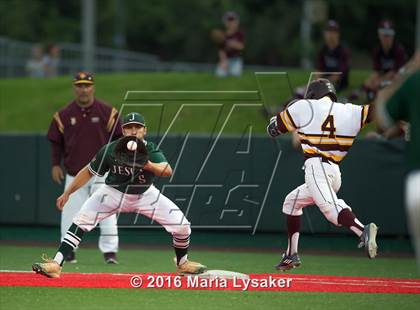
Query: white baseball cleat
x=368, y=240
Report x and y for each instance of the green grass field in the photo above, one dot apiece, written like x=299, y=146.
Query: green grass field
x=160, y=260
x=67, y=298
x=152, y=260
x=149, y=251
x=27, y=105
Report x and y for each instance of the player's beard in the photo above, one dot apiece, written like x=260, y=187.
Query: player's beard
x=138, y=136
x=141, y=137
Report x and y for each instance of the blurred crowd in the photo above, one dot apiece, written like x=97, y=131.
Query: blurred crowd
x=333, y=59
x=43, y=62
x=388, y=59
x=333, y=62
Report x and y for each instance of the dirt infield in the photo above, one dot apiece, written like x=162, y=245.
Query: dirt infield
x=256, y=282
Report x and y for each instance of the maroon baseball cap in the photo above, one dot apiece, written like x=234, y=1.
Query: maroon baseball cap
x=83, y=77
x=332, y=25
x=386, y=27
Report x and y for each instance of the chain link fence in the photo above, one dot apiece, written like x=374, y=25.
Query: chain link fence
x=14, y=56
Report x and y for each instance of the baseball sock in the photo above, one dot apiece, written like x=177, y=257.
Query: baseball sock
x=293, y=226
x=181, y=245
x=348, y=219
x=71, y=241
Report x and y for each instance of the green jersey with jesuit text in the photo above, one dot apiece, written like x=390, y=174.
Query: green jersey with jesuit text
x=126, y=179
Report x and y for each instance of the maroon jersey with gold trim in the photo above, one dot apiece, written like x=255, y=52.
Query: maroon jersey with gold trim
x=230, y=52
x=77, y=133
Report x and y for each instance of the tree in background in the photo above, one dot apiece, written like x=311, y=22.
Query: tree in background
x=179, y=30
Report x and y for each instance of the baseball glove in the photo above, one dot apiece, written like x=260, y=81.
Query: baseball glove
x=135, y=158
x=217, y=36
x=272, y=128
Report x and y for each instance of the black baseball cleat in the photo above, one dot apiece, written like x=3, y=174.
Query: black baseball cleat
x=289, y=262
x=111, y=258
x=368, y=240
x=71, y=258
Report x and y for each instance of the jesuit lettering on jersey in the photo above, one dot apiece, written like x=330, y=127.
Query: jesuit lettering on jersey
x=127, y=171
x=121, y=176
x=122, y=170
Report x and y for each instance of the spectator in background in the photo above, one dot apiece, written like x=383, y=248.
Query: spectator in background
x=35, y=65
x=230, y=50
x=51, y=60
x=387, y=59
x=334, y=57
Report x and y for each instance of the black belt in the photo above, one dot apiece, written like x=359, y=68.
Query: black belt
x=323, y=159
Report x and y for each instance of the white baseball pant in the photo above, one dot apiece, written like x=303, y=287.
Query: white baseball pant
x=234, y=68
x=108, y=201
x=322, y=182
x=108, y=240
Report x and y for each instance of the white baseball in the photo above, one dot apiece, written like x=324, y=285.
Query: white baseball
x=132, y=145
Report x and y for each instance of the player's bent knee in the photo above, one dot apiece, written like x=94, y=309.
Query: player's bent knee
x=332, y=217
x=329, y=212
x=291, y=207
x=290, y=210
x=84, y=221
x=182, y=230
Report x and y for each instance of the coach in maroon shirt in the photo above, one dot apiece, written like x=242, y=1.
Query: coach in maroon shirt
x=76, y=134
x=81, y=128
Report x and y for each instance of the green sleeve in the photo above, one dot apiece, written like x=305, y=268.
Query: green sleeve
x=397, y=106
x=155, y=154
x=99, y=164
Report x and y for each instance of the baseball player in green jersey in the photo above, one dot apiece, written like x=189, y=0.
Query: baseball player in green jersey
x=402, y=102
x=128, y=188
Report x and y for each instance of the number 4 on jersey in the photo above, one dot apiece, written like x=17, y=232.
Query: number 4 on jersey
x=328, y=125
